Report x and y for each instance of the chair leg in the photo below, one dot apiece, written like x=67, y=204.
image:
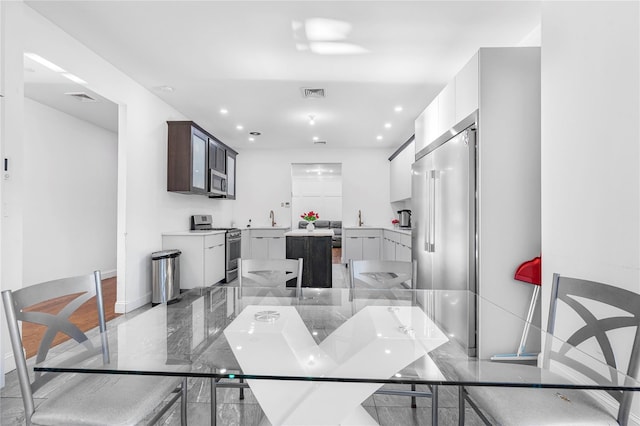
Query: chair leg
x=434, y=405
x=183, y=403
x=413, y=398
x=461, y=405
x=241, y=390
x=214, y=402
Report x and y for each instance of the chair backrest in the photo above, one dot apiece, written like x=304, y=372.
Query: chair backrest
x=270, y=273
x=16, y=303
x=380, y=274
x=588, y=315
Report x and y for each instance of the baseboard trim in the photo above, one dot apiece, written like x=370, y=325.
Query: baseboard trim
x=123, y=307
x=109, y=274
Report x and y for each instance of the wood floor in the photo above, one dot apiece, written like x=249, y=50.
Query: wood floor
x=85, y=317
x=336, y=255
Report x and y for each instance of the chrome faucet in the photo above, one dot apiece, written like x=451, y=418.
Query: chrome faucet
x=272, y=216
x=360, y=223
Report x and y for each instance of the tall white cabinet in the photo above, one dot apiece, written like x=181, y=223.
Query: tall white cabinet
x=501, y=85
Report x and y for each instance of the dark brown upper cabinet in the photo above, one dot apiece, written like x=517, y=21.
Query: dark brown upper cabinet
x=198, y=162
x=187, y=165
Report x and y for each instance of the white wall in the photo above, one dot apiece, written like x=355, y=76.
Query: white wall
x=145, y=208
x=264, y=182
x=70, y=188
x=591, y=143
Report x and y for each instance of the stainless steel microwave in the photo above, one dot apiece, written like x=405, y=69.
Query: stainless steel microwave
x=217, y=184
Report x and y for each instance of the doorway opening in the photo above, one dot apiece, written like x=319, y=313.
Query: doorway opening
x=317, y=187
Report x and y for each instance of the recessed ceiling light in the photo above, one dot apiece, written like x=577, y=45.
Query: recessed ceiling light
x=167, y=89
x=379, y=137
x=315, y=138
x=251, y=139
x=398, y=108
x=387, y=125
x=239, y=127
x=312, y=120
x=224, y=111
x=255, y=133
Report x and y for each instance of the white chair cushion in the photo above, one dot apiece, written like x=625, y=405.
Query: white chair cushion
x=102, y=399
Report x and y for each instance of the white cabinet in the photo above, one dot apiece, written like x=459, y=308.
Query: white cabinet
x=447, y=108
x=396, y=246
x=267, y=243
x=400, y=174
x=202, y=260
x=456, y=101
x=362, y=244
x=466, y=93
x=427, y=126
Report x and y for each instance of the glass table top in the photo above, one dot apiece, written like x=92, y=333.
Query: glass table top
x=323, y=335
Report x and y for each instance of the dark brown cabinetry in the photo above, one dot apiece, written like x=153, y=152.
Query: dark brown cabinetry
x=316, y=255
x=187, y=158
x=197, y=162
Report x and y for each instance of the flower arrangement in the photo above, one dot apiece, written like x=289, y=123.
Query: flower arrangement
x=395, y=221
x=311, y=216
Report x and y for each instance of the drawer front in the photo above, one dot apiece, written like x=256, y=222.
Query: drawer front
x=363, y=233
x=213, y=240
x=405, y=240
x=267, y=233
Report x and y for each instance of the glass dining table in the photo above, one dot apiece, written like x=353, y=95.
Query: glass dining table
x=312, y=357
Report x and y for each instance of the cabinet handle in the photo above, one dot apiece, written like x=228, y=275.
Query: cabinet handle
x=371, y=238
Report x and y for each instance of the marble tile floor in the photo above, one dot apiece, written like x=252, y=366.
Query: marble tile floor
x=385, y=409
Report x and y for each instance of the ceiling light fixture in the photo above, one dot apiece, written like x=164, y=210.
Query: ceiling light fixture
x=315, y=138
x=398, y=108
x=312, y=120
x=224, y=111
x=387, y=125
x=167, y=89
x=255, y=133
x=42, y=61
x=252, y=139
x=379, y=137
x=239, y=127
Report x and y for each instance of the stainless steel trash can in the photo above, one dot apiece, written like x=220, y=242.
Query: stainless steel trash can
x=165, y=276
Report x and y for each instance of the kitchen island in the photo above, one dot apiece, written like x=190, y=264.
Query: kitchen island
x=314, y=247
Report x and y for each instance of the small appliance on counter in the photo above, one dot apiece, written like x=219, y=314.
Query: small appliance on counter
x=404, y=216
x=204, y=222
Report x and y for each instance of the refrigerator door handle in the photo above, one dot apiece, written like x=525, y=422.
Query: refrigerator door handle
x=432, y=214
x=427, y=227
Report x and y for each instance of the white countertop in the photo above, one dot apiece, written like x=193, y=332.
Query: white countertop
x=275, y=228
x=194, y=232
x=406, y=231
x=306, y=233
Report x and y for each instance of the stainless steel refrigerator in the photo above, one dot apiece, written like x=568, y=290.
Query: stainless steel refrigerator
x=444, y=238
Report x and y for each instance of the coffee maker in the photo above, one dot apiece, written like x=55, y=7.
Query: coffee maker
x=404, y=216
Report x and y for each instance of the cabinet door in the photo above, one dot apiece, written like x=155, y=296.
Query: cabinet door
x=198, y=162
x=403, y=253
x=259, y=248
x=231, y=175
x=427, y=126
x=217, y=156
x=388, y=249
x=447, y=108
x=371, y=248
x=214, y=270
x=353, y=248
x=467, y=89
x=277, y=247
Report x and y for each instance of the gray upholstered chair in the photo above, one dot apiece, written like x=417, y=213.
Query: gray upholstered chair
x=88, y=399
x=594, y=314
x=380, y=274
x=270, y=273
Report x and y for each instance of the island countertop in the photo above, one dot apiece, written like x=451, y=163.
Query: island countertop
x=307, y=233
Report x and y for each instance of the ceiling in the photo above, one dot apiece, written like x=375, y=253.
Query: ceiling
x=253, y=59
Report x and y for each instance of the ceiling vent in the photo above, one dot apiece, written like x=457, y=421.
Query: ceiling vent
x=308, y=92
x=81, y=96
x=320, y=143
